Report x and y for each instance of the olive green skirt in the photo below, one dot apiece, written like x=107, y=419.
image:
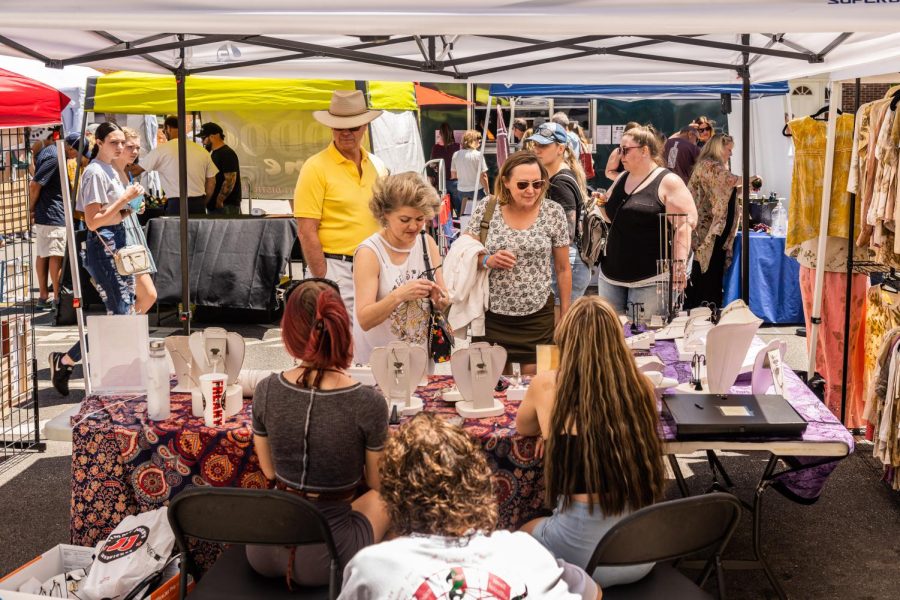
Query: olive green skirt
x=520, y=334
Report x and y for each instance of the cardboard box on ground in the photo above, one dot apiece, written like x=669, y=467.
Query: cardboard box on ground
x=64, y=558
x=16, y=356
x=15, y=209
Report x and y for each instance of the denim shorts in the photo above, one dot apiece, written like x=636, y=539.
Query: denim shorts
x=573, y=536
x=116, y=291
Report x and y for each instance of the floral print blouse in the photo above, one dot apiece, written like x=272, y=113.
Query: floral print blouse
x=524, y=289
x=712, y=184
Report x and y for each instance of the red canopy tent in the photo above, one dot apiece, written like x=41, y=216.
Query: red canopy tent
x=25, y=102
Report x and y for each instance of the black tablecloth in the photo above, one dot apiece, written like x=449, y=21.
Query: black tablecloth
x=235, y=263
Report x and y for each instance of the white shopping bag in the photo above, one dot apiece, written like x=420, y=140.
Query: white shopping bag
x=138, y=547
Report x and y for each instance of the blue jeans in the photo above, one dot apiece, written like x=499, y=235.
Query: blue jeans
x=620, y=296
x=581, y=276
x=116, y=291
x=572, y=535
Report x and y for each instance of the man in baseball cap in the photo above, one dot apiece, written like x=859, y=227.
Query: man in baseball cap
x=331, y=200
x=226, y=196
x=48, y=214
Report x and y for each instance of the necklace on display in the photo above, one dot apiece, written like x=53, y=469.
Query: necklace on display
x=395, y=248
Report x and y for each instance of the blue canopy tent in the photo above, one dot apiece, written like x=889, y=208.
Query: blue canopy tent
x=757, y=90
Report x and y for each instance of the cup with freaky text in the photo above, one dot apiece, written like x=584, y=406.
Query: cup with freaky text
x=212, y=386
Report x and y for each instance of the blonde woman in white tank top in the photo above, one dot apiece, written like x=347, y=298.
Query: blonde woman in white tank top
x=393, y=296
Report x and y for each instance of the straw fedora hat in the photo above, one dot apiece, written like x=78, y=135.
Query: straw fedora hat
x=347, y=110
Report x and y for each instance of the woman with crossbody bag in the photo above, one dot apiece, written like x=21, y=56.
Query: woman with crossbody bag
x=394, y=296
x=567, y=185
x=104, y=200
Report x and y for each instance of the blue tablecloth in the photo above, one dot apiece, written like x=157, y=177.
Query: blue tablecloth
x=774, y=280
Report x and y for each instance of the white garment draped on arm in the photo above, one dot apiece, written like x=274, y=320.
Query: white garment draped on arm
x=467, y=285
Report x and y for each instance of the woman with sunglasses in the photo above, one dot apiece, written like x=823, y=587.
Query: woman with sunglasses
x=394, y=294
x=705, y=130
x=318, y=433
x=633, y=207
x=525, y=236
x=567, y=188
x=614, y=165
x=145, y=290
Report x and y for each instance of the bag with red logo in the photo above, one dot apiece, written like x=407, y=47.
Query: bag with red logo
x=139, y=547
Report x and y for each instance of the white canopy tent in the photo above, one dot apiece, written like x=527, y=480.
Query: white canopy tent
x=592, y=41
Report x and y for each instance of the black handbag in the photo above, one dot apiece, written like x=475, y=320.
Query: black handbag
x=65, y=308
x=440, y=338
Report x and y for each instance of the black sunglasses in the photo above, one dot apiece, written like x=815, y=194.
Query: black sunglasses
x=537, y=184
x=353, y=129
x=293, y=285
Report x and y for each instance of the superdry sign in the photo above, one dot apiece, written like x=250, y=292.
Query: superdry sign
x=123, y=544
x=863, y=1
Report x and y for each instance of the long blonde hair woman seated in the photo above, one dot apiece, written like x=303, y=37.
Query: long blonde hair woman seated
x=597, y=417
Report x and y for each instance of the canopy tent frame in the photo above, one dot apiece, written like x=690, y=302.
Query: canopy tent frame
x=430, y=64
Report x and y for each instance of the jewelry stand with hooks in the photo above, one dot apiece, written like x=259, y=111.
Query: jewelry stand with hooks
x=476, y=370
x=637, y=316
x=668, y=268
x=215, y=350
x=398, y=368
x=180, y=353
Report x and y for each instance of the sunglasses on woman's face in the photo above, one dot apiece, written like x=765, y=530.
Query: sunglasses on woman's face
x=537, y=184
x=703, y=129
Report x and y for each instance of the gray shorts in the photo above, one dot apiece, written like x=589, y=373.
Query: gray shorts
x=573, y=536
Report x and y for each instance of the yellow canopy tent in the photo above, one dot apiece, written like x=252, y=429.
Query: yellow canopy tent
x=150, y=94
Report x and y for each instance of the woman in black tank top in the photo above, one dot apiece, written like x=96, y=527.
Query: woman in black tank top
x=635, y=203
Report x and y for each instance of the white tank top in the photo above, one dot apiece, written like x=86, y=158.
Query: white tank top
x=409, y=321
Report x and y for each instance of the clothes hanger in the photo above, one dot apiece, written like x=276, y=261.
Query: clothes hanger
x=895, y=100
x=823, y=111
x=891, y=282
x=785, y=131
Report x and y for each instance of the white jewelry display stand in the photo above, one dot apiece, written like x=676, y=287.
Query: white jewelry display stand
x=398, y=368
x=476, y=370
x=763, y=376
x=179, y=351
x=362, y=373
x=694, y=336
x=215, y=350
x=726, y=347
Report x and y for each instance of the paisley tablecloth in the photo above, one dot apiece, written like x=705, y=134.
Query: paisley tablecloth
x=124, y=464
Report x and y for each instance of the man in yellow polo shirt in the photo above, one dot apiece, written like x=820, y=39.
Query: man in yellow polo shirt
x=331, y=201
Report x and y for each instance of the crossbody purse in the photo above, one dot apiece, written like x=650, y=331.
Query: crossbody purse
x=129, y=260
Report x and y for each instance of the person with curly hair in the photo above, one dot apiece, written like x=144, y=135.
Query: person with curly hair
x=596, y=401
x=436, y=485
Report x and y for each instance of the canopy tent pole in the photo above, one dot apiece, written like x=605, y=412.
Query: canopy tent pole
x=180, y=75
x=487, y=122
x=815, y=319
x=745, y=165
x=849, y=290
x=72, y=249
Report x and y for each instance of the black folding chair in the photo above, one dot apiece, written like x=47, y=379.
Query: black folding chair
x=665, y=532
x=244, y=516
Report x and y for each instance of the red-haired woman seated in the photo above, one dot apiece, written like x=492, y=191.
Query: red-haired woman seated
x=317, y=431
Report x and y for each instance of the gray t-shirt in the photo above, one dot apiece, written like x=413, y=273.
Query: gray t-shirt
x=318, y=437
x=99, y=184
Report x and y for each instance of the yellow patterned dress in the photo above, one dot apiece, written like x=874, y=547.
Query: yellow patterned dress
x=806, y=185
